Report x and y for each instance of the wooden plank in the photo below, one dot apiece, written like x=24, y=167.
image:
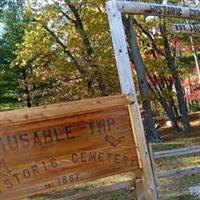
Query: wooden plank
x=158, y=10
x=139, y=186
x=127, y=87
x=144, y=157
x=153, y=164
x=177, y=152
x=60, y=151
x=100, y=191
x=182, y=172
x=70, y=108
x=120, y=49
x=184, y=28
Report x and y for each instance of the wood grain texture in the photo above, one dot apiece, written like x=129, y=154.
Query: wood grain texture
x=65, y=147
x=55, y=110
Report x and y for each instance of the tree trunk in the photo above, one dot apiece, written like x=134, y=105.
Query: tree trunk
x=168, y=109
x=171, y=99
x=177, y=82
x=158, y=93
x=87, y=45
x=143, y=85
x=27, y=92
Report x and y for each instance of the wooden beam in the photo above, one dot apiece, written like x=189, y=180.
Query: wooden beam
x=179, y=172
x=184, y=28
x=139, y=188
x=100, y=191
x=177, y=152
x=120, y=49
x=62, y=109
x=158, y=10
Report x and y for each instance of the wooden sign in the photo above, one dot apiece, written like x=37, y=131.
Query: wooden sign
x=53, y=147
x=185, y=28
x=158, y=10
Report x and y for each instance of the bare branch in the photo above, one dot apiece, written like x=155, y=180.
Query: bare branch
x=69, y=54
x=149, y=36
x=80, y=28
x=64, y=13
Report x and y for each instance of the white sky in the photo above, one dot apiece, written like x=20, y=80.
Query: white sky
x=1, y=28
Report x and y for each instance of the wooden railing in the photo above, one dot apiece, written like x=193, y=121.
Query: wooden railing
x=178, y=152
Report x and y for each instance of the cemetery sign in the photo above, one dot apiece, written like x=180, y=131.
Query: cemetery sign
x=53, y=147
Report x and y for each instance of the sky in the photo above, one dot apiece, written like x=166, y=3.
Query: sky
x=1, y=28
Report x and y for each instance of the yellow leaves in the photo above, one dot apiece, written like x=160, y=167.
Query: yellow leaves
x=157, y=65
x=148, y=96
x=52, y=66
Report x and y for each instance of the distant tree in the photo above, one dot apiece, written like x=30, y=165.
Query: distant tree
x=159, y=48
x=10, y=90
x=68, y=49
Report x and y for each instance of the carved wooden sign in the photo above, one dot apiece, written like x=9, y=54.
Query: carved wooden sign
x=53, y=147
x=185, y=28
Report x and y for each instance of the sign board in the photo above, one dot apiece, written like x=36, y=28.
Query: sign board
x=53, y=147
x=185, y=28
x=155, y=9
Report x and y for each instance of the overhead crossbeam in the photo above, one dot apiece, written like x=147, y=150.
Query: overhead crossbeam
x=155, y=9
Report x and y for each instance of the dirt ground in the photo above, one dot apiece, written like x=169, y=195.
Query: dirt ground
x=168, y=133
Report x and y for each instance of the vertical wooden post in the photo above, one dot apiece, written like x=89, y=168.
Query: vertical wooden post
x=139, y=189
x=127, y=87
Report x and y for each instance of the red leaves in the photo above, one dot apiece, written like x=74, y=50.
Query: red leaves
x=194, y=95
x=192, y=89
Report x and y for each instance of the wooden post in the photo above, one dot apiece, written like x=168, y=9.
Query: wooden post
x=127, y=87
x=139, y=186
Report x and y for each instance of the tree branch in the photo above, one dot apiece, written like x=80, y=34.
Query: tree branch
x=69, y=54
x=63, y=13
x=80, y=28
x=149, y=36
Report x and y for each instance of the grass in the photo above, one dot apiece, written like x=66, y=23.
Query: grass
x=117, y=195
x=7, y=107
x=175, y=188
